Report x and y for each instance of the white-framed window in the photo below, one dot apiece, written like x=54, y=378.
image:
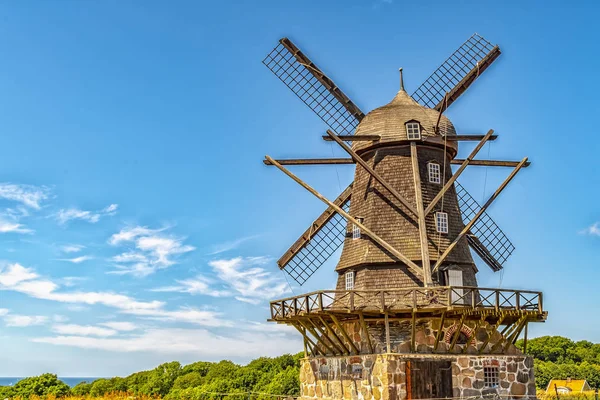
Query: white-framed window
x=349, y=280
x=435, y=175
x=413, y=130
x=357, y=371
x=490, y=377
x=441, y=222
x=356, y=229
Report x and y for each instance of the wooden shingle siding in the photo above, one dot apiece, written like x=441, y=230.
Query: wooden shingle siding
x=382, y=213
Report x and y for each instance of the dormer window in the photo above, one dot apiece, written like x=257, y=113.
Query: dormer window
x=413, y=130
x=434, y=173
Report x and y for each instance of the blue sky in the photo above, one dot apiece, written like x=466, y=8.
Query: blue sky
x=138, y=224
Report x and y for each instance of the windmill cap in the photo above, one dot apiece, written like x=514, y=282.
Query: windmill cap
x=389, y=122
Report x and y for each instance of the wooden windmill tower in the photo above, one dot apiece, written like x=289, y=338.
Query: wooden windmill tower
x=407, y=299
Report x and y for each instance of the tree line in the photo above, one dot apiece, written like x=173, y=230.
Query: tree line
x=554, y=357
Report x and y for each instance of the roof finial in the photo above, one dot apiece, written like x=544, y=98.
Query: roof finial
x=401, y=81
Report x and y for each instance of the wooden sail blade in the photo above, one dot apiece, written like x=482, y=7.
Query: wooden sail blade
x=485, y=237
x=313, y=87
x=457, y=73
x=324, y=236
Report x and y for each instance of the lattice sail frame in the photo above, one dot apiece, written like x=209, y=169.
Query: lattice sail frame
x=302, y=79
x=319, y=248
x=452, y=71
x=485, y=238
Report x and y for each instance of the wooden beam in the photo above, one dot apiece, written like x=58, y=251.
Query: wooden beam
x=323, y=334
x=474, y=332
x=491, y=331
x=438, y=335
x=353, y=138
x=324, y=79
x=459, y=171
x=344, y=349
x=344, y=333
x=525, y=338
x=413, y=333
x=314, y=228
x=457, y=333
x=468, y=227
x=490, y=163
x=315, y=349
x=366, y=331
x=421, y=215
x=411, y=265
x=388, y=345
x=467, y=138
x=464, y=83
x=372, y=172
x=316, y=335
x=312, y=161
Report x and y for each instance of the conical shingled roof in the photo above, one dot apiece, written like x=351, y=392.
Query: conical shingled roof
x=389, y=122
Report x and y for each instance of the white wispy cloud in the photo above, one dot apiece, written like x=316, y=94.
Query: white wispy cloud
x=83, y=330
x=593, y=229
x=15, y=320
x=72, y=248
x=199, y=285
x=231, y=245
x=15, y=277
x=153, y=250
x=68, y=214
x=199, y=342
x=3, y=311
x=76, y=260
x=7, y=227
x=120, y=326
x=28, y=195
x=241, y=277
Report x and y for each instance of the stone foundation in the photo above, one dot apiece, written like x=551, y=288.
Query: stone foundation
x=384, y=376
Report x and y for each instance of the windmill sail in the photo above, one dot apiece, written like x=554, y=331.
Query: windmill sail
x=313, y=87
x=457, y=73
x=485, y=238
x=325, y=235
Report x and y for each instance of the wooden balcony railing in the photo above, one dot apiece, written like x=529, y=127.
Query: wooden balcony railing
x=407, y=299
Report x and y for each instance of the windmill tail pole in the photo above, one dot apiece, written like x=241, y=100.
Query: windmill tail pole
x=411, y=265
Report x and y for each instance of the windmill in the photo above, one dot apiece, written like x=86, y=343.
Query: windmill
x=406, y=278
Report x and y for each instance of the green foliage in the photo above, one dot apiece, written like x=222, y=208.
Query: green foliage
x=43, y=385
x=81, y=389
x=5, y=392
x=561, y=358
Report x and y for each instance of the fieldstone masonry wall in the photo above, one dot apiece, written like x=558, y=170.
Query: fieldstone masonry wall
x=382, y=376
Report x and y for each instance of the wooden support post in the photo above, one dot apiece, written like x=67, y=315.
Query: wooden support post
x=468, y=227
x=459, y=171
x=474, y=333
x=305, y=347
x=344, y=333
x=366, y=331
x=408, y=374
x=388, y=345
x=411, y=265
x=457, y=333
x=315, y=349
x=490, y=332
x=332, y=332
x=326, y=336
x=421, y=215
x=413, y=332
x=506, y=334
x=438, y=335
x=525, y=338
x=319, y=338
x=372, y=172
